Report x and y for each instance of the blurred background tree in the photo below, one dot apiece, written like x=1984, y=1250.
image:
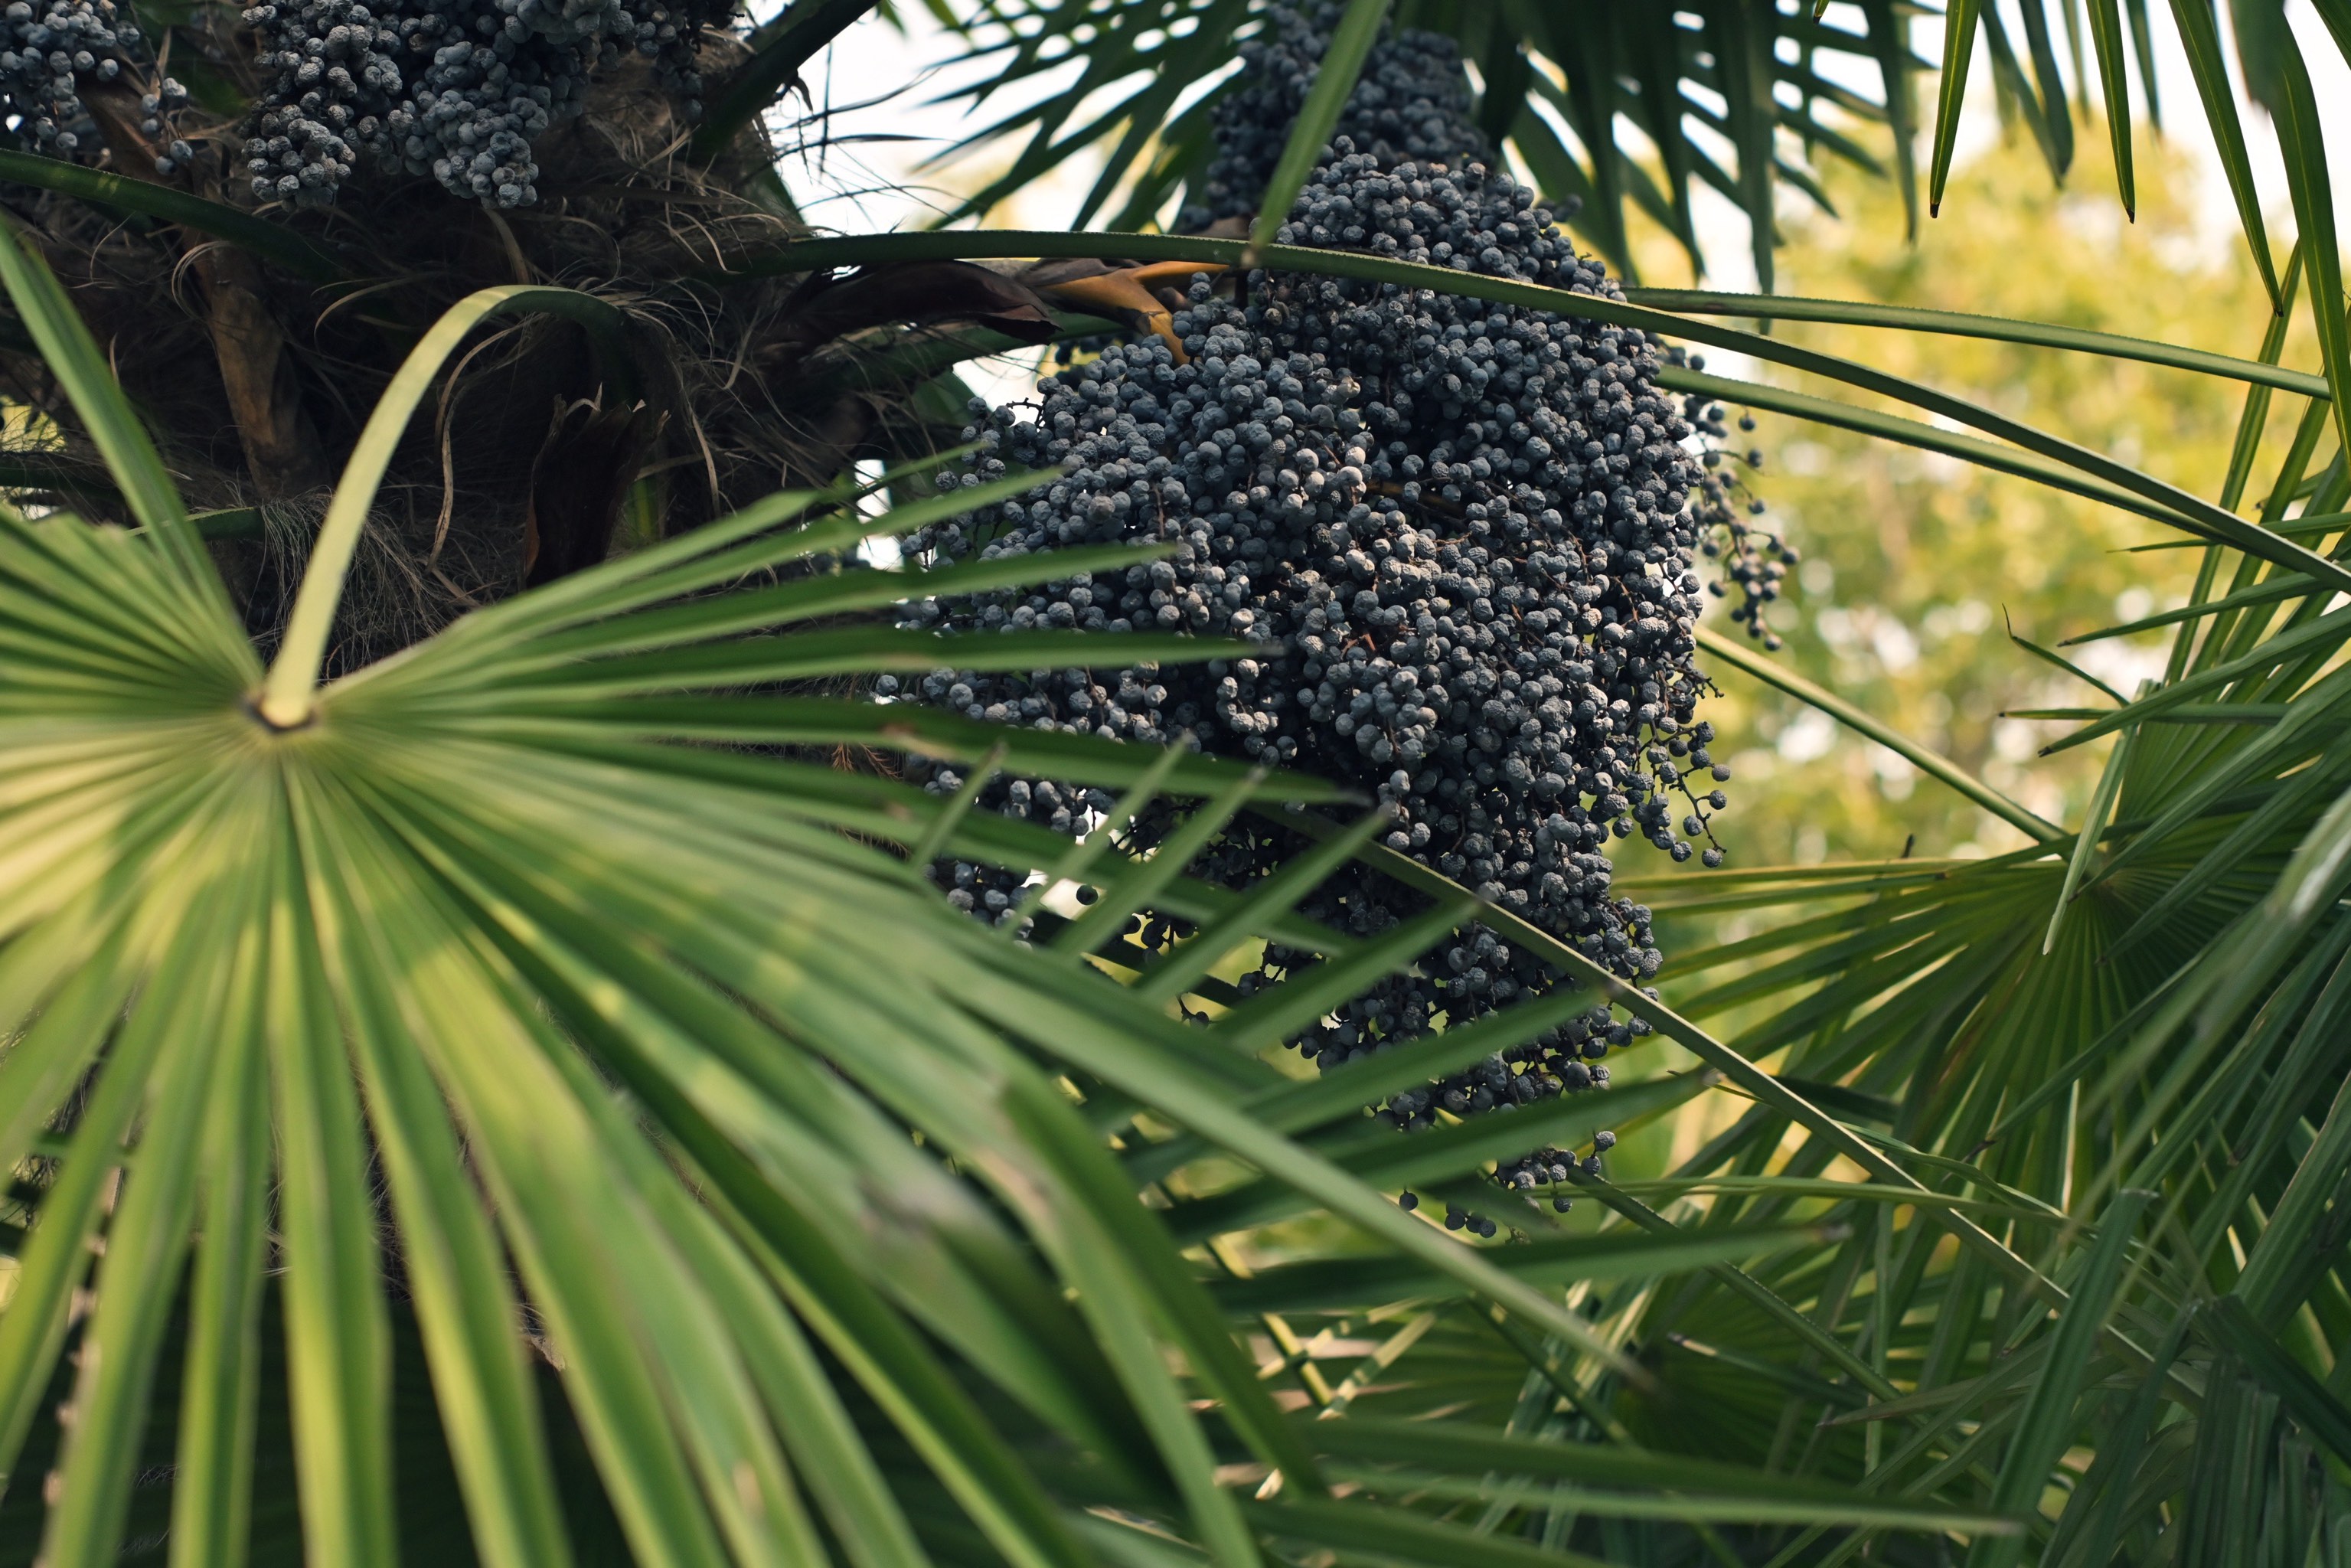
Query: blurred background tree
x=1916, y=564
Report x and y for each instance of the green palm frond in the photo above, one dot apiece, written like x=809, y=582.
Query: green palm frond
x=537, y=1098
x=1565, y=83
x=518, y=1100
x=1560, y=78
x=2135, y=1028
x=496, y=921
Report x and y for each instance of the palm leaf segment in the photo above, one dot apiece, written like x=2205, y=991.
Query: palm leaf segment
x=2135, y=1026
x=1564, y=80
x=2132, y=1029
x=386, y=934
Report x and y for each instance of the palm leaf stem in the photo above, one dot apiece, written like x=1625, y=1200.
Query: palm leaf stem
x=2201, y=516
x=274, y=243
x=1928, y=762
x=1989, y=329
x=288, y=691
x=1916, y=433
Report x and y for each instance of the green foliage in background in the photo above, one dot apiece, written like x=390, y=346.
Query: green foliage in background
x=1916, y=564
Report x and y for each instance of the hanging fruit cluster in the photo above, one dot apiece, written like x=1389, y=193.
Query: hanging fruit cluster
x=1464, y=536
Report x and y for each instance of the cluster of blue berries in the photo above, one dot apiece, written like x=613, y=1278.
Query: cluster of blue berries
x=1753, y=560
x=1463, y=538
x=459, y=90
x=1411, y=104
x=1462, y=534
x=47, y=52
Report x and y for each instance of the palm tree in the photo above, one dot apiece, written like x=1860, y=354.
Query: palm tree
x=484, y=1073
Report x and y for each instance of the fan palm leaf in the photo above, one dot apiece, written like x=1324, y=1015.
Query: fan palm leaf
x=472, y=1016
